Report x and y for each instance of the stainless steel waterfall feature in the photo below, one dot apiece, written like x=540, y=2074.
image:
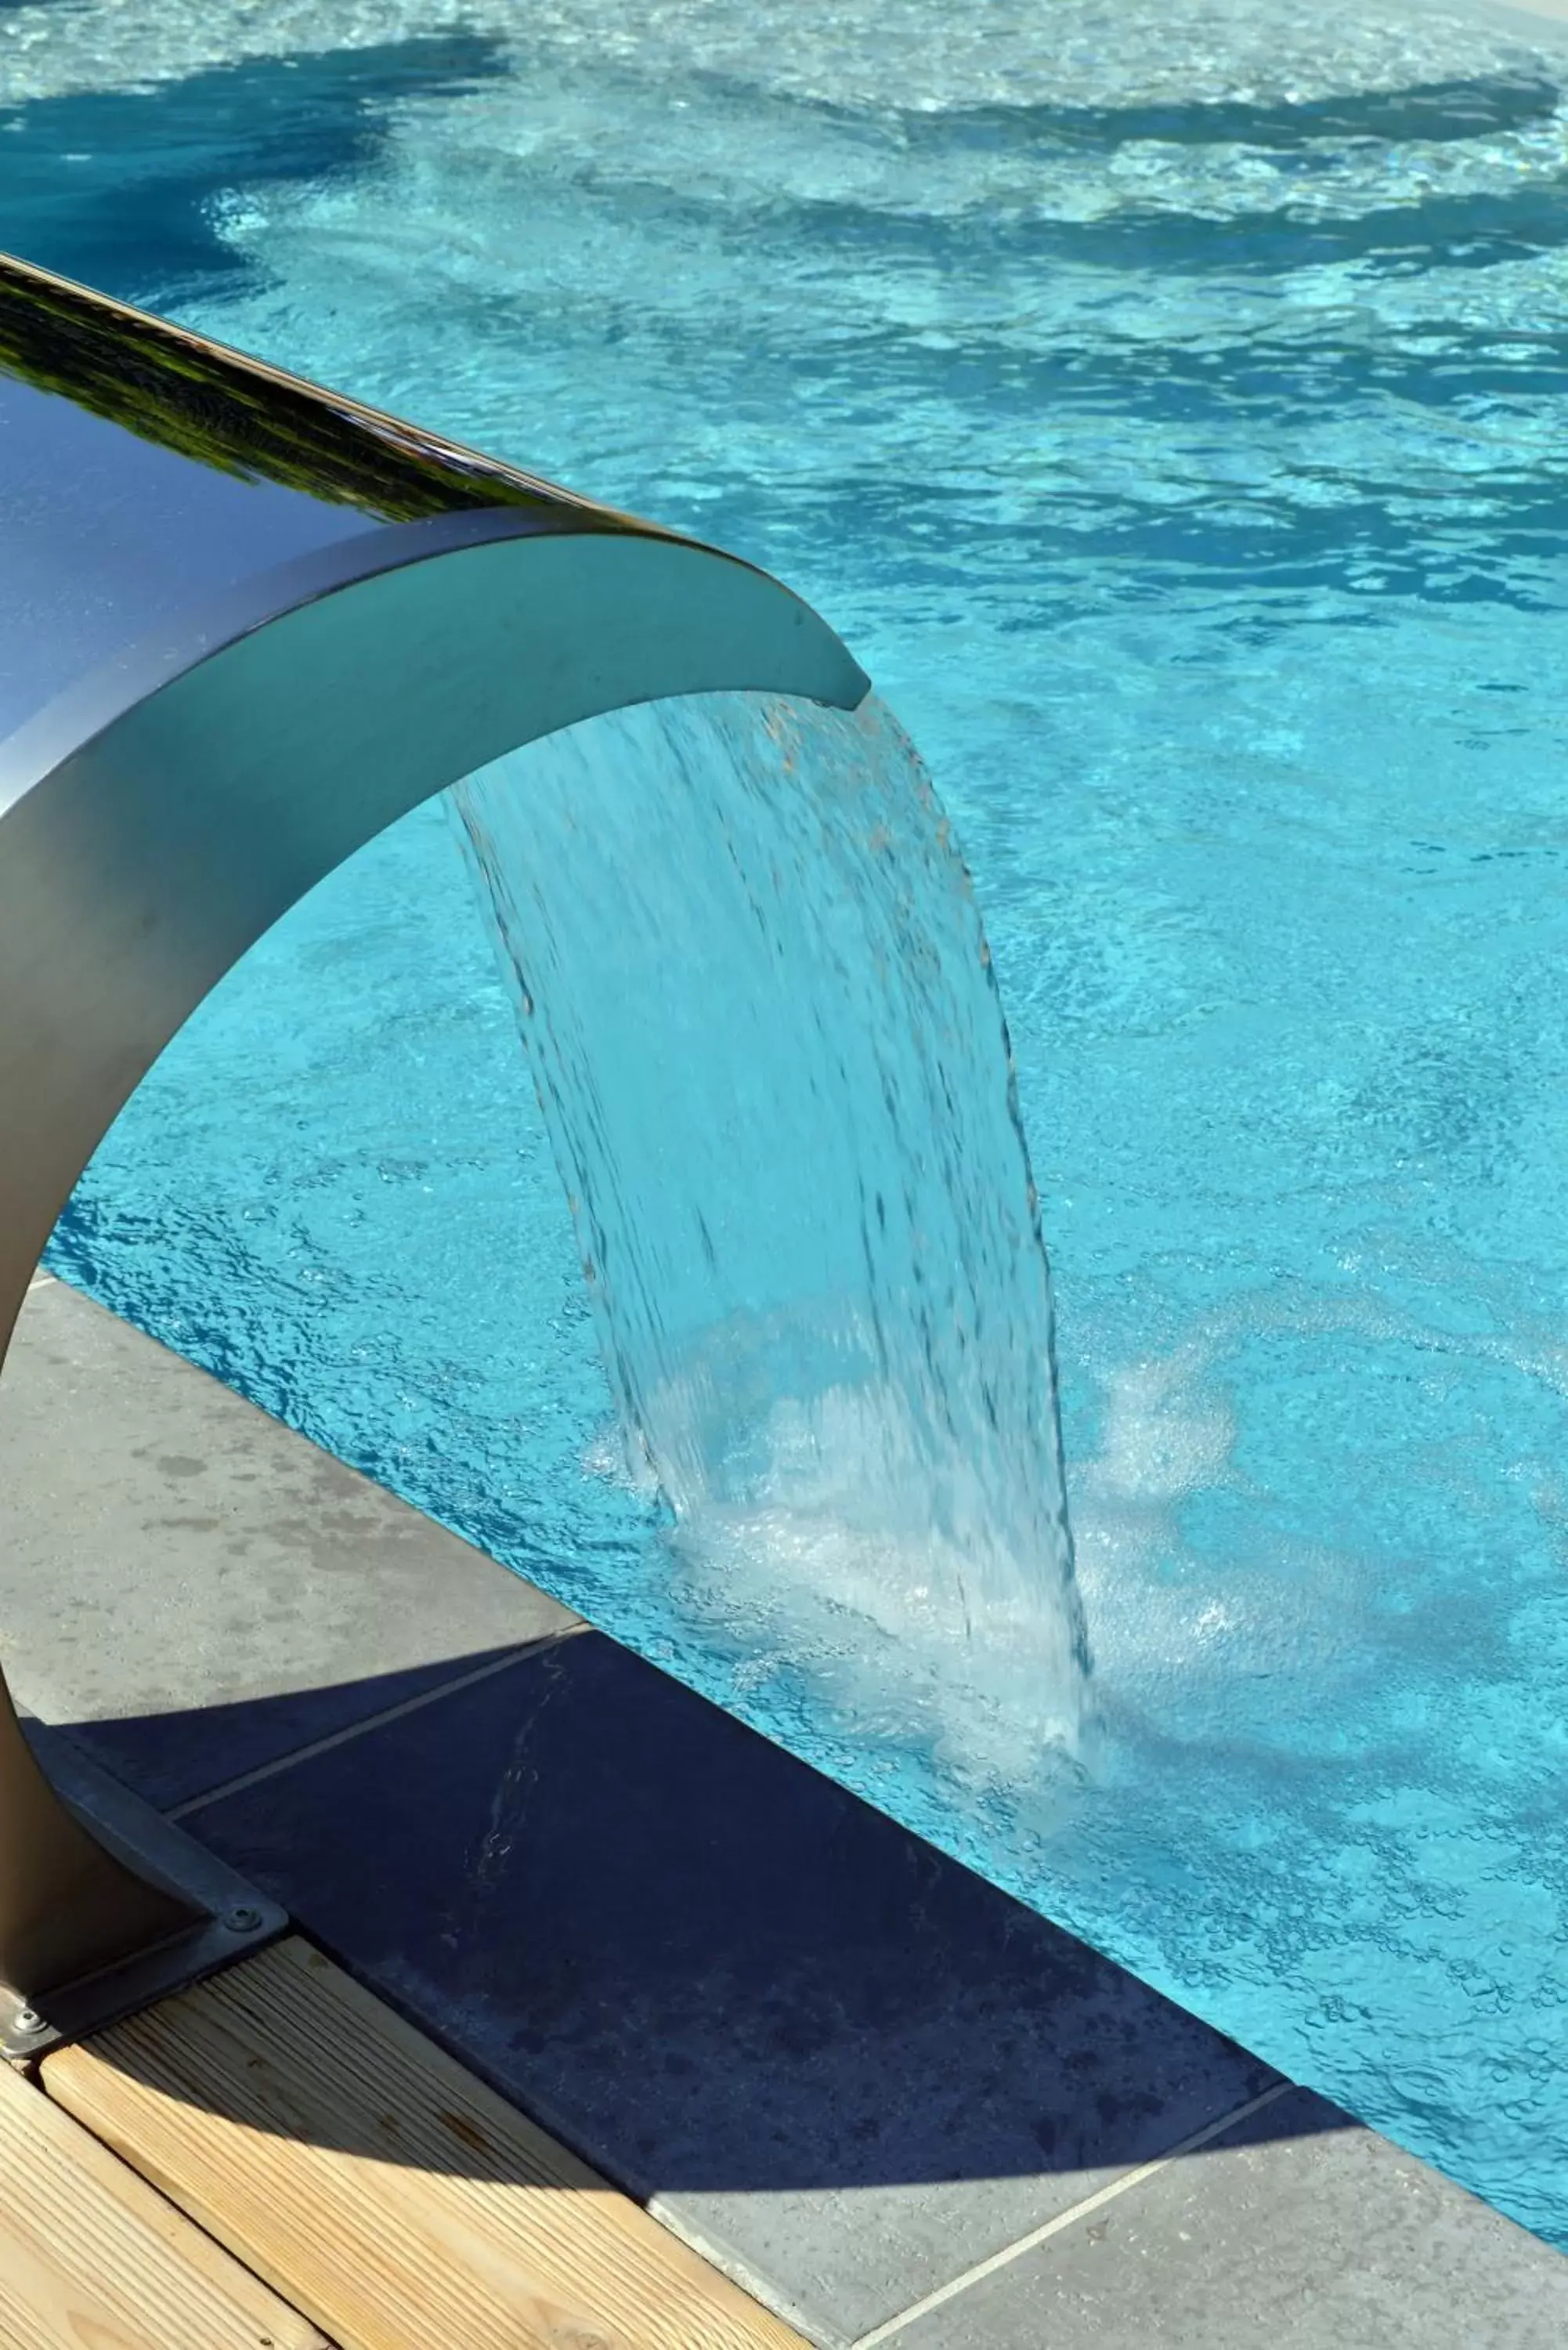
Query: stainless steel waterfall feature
x=245, y=625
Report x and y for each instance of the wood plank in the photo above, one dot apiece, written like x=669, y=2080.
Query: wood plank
x=92, y=2259
x=387, y=2192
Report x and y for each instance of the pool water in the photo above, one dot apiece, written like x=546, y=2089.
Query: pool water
x=1167, y=405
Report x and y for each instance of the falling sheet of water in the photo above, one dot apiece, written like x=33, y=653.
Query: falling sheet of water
x=758, y=1006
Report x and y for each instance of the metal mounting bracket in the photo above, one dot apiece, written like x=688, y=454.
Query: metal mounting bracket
x=216, y=1915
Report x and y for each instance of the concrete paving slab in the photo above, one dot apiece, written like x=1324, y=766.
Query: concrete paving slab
x=1297, y=2231
x=837, y=2063
x=876, y=2090
x=195, y=1589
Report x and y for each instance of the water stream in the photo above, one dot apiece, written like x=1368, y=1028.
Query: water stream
x=759, y=1010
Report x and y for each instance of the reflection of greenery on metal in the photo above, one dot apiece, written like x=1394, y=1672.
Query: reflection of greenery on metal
x=233, y=414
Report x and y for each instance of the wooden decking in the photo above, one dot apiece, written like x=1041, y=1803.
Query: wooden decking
x=275, y=2160
x=91, y=2258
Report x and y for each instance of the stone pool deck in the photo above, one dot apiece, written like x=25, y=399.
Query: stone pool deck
x=894, y=2105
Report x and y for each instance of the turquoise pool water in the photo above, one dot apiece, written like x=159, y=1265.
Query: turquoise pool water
x=1167, y=404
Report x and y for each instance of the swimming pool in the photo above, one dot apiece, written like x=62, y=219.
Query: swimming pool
x=1168, y=420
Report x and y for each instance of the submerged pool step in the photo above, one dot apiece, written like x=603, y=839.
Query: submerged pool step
x=373, y=2180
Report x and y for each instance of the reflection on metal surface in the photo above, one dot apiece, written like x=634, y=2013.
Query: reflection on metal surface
x=245, y=625
x=237, y=416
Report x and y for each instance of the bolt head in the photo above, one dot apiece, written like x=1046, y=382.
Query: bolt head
x=27, y=2020
x=244, y=1920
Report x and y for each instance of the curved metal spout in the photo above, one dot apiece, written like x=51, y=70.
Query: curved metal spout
x=245, y=625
